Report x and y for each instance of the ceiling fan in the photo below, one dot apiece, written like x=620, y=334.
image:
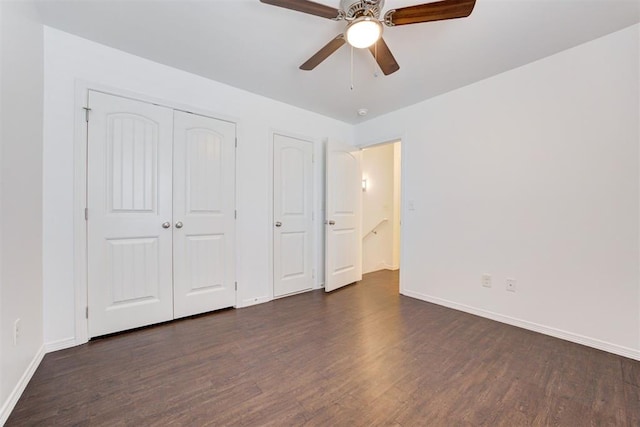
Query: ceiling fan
x=364, y=28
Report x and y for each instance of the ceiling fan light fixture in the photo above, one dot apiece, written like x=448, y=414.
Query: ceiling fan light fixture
x=363, y=32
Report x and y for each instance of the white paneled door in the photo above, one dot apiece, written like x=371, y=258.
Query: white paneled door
x=343, y=240
x=160, y=226
x=292, y=214
x=203, y=213
x=129, y=198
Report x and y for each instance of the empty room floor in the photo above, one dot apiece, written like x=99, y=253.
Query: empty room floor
x=363, y=355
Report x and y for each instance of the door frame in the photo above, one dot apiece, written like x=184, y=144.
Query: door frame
x=315, y=219
x=80, y=259
x=403, y=155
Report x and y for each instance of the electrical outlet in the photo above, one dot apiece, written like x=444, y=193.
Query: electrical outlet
x=16, y=331
x=486, y=280
x=511, y=285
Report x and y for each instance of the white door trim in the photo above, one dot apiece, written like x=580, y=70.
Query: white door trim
x=314, y=236
x=80, y=282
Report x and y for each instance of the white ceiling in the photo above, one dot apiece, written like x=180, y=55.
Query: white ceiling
x=258, y=48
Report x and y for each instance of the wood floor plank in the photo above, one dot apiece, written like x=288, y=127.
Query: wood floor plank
x=632, y=399
x=630, y=372
x=360, y=356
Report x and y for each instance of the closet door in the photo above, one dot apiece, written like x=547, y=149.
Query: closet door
x=292, y=208
x=129, y=214
x=204, y=214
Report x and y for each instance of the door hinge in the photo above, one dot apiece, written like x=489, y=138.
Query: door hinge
x=236, y=142
x=236, y=286
x=235, y=214
x=86, y=113
x=86, y=312
x=86, y=214
x=313, y=158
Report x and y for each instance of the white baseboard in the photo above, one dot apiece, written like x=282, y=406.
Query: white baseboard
x=546, y=330
x=253, y=301
x=60, y=344
x=17, y=391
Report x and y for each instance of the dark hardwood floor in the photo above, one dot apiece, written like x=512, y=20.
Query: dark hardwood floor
x=360, y=356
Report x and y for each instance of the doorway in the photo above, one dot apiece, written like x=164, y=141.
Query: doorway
x=381, y=201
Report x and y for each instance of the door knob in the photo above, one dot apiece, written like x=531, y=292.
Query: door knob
x=179, y=224
x=166, y=224
x=278, y=224
x=331, y=222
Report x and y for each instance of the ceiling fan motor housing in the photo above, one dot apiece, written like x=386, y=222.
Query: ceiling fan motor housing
x=355, y=8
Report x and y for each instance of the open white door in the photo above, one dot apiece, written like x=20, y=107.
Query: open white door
x=343, y=241
x=203, y=214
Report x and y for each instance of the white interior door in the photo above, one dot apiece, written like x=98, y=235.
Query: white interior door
x=203, y=214
x=129, y=207
x=343, y=242
x=292, y=214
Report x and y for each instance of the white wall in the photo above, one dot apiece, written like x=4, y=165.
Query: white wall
x=378, y=204
x=69, y=59
x=532, y=174
x=21, y=89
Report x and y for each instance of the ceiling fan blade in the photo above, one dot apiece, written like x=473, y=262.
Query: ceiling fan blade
x=324, y=53
x=384, y=57
x=306, y=6
x=436, y=11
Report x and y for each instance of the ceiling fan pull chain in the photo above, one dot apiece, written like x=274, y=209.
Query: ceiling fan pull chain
x=351, y=67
